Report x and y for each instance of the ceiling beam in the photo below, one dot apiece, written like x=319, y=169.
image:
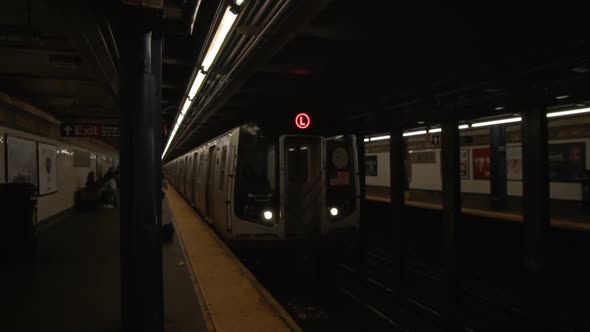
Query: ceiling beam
x=38, y=50
x=175, y=61
x=172, y=86
x=82, y=27
x=343, y=33
x=45, y=78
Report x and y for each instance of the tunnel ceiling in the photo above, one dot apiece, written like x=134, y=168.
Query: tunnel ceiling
x=354, y=66
x=364, y=66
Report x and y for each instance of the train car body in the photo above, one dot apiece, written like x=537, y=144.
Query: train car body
x=279, y=190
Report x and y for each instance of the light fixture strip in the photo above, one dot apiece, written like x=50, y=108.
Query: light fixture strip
x=414, y=133
x=568, y=112
x=222, y=30
x=496, y=122
x=379, y=138
x=227, y=21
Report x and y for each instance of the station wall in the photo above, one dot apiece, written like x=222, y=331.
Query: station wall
x=70, y=179
x=427, y=176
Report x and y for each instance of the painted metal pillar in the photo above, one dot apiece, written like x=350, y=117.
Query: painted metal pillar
x=141, y=249
x=498, y=177
x=363, y=240
x=398, y=217
x=536, y=214
x=452, y=255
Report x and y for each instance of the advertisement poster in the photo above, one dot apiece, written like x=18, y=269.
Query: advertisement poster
x=21, y=160
x=514, y=163
x=567, y=162
x=481, y=163
x=371, y=166
x=464, y=164
x=47, y=168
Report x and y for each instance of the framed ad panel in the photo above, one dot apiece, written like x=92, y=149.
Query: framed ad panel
x=21, y=160
x=47, y=166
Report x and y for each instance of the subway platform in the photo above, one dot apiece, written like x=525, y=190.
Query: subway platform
x=74, y=283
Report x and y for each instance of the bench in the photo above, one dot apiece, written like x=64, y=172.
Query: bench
x=87, y=198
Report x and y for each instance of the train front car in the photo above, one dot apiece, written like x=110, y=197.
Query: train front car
x=294, y=190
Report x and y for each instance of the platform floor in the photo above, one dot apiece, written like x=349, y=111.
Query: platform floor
x=234, y=300
x=568, y=215
x=74, y=284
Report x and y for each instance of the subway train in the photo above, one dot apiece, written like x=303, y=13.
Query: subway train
x=260, y=189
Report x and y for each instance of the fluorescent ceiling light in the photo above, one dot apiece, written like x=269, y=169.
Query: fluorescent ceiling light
x=366, y=139
x=499, y=108
x=414, y=133
x=224, y=26
x=227, y=21
x=562, y=97
x=179, y=120
x=569, y=112
x=196, y=85
x=185, y=107
x=463, y=126
x=379, y=138
x=435, y=130
x=496, y=122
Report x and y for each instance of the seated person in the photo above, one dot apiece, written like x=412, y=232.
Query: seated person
x=90, y=182
x=108, y=193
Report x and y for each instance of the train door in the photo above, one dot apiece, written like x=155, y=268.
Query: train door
x=302, y=183
x=210, y=183
x=194, y=179
x=189, y=179
x=183, y=179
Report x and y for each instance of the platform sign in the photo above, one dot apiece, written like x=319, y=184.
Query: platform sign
x=89, y=130
x=302, y=121
x=110, y=131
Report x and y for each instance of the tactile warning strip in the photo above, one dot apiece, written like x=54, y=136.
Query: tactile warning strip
x=234, y=299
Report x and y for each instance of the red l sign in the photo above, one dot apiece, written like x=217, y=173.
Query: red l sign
x=302, y=121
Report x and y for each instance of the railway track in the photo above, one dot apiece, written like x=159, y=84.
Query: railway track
x=333, y=294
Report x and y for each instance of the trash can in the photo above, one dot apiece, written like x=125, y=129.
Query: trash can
x=17, y=236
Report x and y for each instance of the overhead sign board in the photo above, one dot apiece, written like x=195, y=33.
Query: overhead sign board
x=89, y=130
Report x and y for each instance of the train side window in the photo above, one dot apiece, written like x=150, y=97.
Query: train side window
x=298, y=164
x=222, y=168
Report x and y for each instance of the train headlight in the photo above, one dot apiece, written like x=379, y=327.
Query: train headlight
x=267, y=215
x=334, y=211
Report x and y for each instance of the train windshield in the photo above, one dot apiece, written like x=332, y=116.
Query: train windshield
x=256, y=167
x=256, y=176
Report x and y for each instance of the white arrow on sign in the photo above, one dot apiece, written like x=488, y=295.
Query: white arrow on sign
x=68, y=130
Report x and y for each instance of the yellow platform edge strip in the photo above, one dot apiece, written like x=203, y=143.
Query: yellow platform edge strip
x=558, y=223
x=233, y=298
x=202, y=305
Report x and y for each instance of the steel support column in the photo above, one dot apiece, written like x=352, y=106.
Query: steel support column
x=141, y=250
x=363, y=240
x=536, y=214
x=451, y=187
x=398, y=218
x=498, y=169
